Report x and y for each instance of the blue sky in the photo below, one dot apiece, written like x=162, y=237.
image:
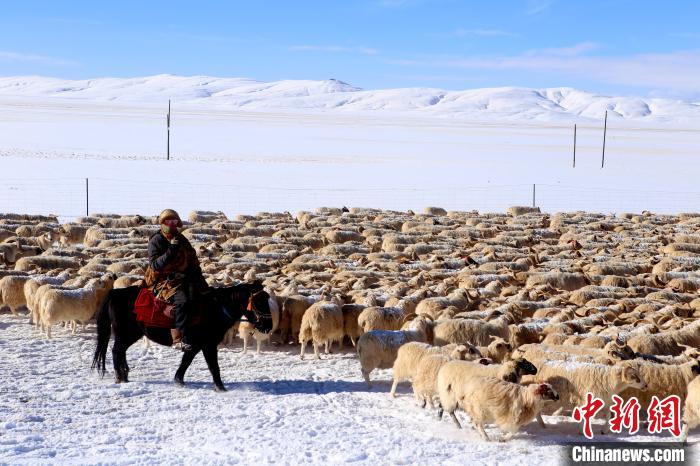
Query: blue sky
x=609, y=46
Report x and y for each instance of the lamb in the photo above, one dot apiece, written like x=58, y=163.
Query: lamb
x=246, y=329
x=378, y=349
x=322, y=323
x=74, y=305
x=691, y=412
x=491, y=400
x=663, y=380
x=408, y=358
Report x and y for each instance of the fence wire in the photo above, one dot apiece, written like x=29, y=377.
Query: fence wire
x=68, y=198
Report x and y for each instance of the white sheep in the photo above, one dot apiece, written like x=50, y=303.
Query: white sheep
x=490, y=400
x=382, y=318
x=662, y=380
x=409, y=356
x=573, y=380
x=322, y=323
x=691, y=412
x=378, y=349
x=77, y=305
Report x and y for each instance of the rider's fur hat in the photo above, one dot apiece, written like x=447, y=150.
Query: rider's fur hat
x=169, y=214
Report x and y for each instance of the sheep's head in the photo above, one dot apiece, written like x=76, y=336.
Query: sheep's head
x=467, y=351
x=695, y=368
x=630, y=376
x=545, y=391
x=619, y=351
x=524, y=367
x=500, y=346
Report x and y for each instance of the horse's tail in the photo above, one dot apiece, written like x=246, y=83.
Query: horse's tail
x=104, y=332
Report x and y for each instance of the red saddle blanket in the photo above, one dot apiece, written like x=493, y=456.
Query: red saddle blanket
x=153, y=312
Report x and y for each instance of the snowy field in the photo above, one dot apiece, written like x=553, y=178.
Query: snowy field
x=278, y=409
x=241, y=147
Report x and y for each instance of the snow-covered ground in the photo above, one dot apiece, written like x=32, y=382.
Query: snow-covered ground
x=244, y=146
x=278, y=409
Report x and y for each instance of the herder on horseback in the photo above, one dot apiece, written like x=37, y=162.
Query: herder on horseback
x=174, y=273
x=202, y=313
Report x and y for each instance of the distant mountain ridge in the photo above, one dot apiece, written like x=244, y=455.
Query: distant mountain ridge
x=511, y=103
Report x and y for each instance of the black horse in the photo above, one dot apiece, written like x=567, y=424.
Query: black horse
x=220, y=308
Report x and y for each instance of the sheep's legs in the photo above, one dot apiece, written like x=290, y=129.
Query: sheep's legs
x=454, y=418
x=684, y=434
x=540, y=421
x=328, y=346
x=303, y=347
x=257, y=350
x=392, y=392
x=316, y=345
x=507, y=436
x=482, y=432
x=365, y=375
x=245, y=344
x=352, y=340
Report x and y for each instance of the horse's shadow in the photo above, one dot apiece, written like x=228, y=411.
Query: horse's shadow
x=291, y=387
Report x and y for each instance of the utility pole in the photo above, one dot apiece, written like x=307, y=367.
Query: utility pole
x=168, y=120
x=605, y=131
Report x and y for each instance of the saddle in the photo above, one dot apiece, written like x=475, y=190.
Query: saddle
x=153, y=312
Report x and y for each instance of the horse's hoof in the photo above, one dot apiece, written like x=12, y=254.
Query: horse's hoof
x=179, y=382
x=219, y=388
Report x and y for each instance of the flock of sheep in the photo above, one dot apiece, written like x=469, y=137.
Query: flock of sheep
x=504, y=316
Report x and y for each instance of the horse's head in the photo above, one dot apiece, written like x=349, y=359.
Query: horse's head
x=258, y=309
x=252, y=301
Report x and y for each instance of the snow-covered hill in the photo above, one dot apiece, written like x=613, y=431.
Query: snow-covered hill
x=510, y=103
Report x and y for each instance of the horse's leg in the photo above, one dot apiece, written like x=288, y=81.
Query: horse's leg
x=122, y=342
x=211, y=356
x=187, y=358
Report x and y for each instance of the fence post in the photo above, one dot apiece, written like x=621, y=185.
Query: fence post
x=574, y=145
x=605, y=131
x=168, y=122
x=533, y=195
x=87, y=197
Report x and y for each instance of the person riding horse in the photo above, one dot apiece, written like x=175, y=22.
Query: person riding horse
x=173, y=272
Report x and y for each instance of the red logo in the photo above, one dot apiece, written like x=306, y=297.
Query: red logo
x=626, y=415
x=662, y=414
x=665, y=415
x=588, y=412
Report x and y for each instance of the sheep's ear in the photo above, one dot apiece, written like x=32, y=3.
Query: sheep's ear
x=492, y=337
x=484, y=361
